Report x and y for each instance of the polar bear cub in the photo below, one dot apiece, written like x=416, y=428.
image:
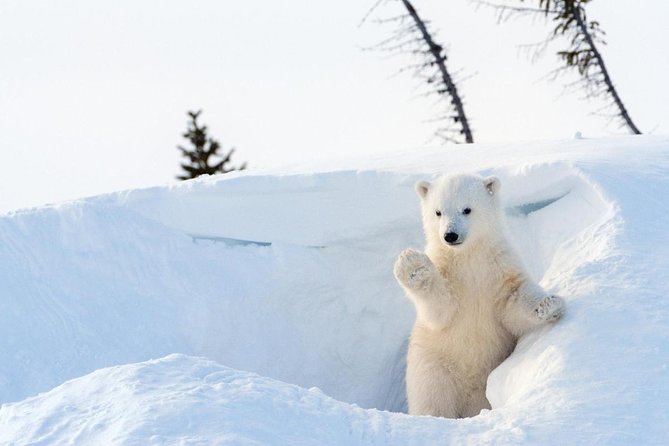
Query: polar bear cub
x=472, y=295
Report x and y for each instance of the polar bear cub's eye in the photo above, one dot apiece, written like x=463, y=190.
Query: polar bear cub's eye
x=438, y=213
x=466, y=211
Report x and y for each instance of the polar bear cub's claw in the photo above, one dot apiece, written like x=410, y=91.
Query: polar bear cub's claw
x=550, y=308
x=413, y=269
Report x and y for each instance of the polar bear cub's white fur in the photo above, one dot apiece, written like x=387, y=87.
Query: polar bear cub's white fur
x=472, y=295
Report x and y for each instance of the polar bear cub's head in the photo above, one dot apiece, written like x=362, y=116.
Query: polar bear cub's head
x=458, y=209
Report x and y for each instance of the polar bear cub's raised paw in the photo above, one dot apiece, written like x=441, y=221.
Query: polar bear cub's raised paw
x=413, y=269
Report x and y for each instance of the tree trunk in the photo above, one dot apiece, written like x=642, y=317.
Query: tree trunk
x=577, y=11
x=435, y=50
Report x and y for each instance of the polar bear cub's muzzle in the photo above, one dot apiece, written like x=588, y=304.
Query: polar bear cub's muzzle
x=455, y=232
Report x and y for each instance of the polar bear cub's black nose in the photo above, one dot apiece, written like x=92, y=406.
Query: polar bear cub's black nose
x=451, y=237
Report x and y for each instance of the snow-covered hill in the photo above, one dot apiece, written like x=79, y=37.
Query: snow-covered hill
x=283, y=281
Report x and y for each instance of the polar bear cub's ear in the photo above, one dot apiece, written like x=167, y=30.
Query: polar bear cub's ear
x=492, y=184
x=422, y=187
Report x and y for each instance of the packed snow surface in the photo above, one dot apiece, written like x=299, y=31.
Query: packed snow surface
x=260, y=308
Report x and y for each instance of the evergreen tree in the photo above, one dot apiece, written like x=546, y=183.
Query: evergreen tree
x=204, y=148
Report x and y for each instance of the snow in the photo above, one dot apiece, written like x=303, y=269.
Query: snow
x=268, y=298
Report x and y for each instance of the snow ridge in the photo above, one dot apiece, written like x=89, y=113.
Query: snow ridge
x=117, y=279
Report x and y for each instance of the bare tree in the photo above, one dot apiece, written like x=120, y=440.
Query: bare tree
x=581, y=54
x=414, y=36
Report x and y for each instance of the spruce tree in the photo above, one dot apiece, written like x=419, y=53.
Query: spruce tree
x=205, y=151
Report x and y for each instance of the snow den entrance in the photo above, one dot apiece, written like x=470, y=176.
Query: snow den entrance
x=328, y=313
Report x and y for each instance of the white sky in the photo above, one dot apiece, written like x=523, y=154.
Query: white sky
x=93, y=95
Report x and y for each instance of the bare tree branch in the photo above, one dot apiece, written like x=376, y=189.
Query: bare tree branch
x=578, y=14
x=581, y=54
x=414, y=37
x=440, y=61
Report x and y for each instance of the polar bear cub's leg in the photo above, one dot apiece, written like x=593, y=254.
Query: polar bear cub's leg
x=530, y=307
x=431, y=389
x=426, y=288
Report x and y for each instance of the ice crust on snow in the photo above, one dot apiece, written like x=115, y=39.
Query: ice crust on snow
x=119, y=278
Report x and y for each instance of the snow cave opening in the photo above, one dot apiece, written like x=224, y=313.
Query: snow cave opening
x=329, y=314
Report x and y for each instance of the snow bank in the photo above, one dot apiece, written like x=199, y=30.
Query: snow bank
x=179, y=399
x=92, y=284
x=287, y=274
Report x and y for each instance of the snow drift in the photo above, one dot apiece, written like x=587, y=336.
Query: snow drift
x=288, y=275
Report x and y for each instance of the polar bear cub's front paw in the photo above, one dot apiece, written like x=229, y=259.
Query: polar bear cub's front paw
x=413, y=269
x=550, y=308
